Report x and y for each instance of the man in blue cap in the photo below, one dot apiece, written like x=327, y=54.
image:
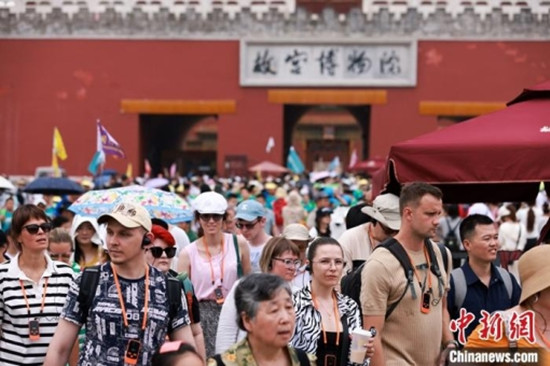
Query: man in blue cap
x=251, y=221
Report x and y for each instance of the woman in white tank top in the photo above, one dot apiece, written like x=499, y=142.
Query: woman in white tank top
x=212, y=262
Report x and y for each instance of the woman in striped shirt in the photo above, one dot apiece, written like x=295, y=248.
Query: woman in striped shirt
x=32, y=291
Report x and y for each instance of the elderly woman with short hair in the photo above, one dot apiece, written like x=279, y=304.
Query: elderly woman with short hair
x=266, y=312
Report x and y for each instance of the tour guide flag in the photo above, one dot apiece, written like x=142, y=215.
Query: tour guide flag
x=106, y=144
x=109, y=145
x=58, y=150
x=293, y=161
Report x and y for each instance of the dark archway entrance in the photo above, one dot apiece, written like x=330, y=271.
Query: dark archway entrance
x=189, y=141
x=354, y=103
x=178, y=131
x=319, y=133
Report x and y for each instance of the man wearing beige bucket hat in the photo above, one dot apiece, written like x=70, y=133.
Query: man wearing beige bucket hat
x=534, y=273
x=358, y=242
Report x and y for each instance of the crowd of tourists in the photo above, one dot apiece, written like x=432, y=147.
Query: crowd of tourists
x=268, y=272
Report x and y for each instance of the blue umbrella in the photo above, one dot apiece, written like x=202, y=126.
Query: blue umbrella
x=53, y=186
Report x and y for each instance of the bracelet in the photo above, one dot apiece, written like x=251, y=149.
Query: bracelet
x=454, y=343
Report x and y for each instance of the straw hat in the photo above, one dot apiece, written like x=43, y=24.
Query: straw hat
x=534, y=271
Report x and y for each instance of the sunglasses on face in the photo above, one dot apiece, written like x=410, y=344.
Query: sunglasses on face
x=208, y=217
x=247, y=225
x=157, y=252
x=33, y=228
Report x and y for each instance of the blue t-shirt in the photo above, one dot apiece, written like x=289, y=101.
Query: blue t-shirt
x=106, y=335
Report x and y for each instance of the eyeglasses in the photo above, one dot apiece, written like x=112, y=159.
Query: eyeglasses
x=248, y=225
x=33, y=228
x=208, y=217
x=294, y=263
x=58, y=256
x=157, y=251
x=327, y=262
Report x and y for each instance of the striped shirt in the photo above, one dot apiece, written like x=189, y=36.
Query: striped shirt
x=16, y=348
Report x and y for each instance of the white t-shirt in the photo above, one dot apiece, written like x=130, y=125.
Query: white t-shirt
x=255, y=254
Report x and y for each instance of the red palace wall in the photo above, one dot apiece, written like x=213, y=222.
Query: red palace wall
x=71, y=83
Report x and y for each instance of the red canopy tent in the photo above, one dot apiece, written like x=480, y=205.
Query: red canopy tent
x=369, y=166
x=500, y=156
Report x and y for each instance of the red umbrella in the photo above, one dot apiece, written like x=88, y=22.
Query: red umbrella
x=370, y=166
x=500, y=156
x=268, y=167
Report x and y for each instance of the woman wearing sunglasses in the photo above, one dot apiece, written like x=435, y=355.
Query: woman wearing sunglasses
x=214, y=262
x=325, y=318
x=160, y=255
x=33, y=290
x=280, y=257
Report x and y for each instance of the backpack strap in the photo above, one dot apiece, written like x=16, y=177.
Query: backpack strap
x=87, y=290
x=444, y=256
x=239, y=264
x=173, y=294
x=189, y=292
x=302, y=357
x=399, y=252
x=507, y=281
x=434, y=264
x=460, y=288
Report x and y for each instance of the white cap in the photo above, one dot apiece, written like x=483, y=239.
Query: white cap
x=210, y=203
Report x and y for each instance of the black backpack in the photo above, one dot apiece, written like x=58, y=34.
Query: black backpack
x=451, y=240
x=351, y=283
x=90, y=280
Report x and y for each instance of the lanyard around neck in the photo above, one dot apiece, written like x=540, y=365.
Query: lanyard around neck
x=336, y=318
x=121, y=298
x=427, y=270
x=45, y=287
x=212, y=275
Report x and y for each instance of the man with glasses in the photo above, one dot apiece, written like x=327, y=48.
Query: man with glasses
x=251, y=221
x=130, y=313
x=359, y=242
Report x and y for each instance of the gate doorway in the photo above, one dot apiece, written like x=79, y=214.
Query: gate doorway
x=189, y=141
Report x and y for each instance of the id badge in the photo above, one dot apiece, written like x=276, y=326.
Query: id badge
x=132, y=352
x=426, y=300
x=34, y=330
x=219, y=295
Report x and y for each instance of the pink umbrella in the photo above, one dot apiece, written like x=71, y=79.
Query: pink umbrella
x=268, y=167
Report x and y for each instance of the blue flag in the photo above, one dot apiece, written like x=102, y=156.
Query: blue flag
x=334, y=164
x=96, y=162
x=293, y=162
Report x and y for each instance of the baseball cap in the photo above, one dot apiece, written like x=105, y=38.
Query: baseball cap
x=249, y=210
x=385, y=210
x=296, y=232
x=128, y=215
x=210, y=203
